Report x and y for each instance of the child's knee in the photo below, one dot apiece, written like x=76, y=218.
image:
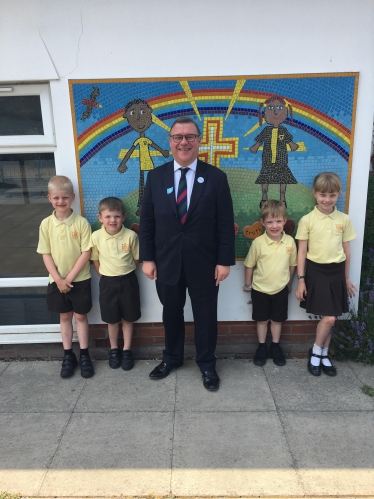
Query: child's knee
x=66, y=317
x=328, y=320
x=81, y=318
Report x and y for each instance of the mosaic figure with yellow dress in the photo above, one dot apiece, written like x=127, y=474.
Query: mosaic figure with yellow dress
x=275, y=138
x=139, y=115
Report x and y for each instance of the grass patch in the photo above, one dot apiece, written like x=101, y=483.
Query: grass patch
x=5, y=495
x=368, y=390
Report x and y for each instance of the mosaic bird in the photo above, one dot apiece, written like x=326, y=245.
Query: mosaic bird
x=91, y=103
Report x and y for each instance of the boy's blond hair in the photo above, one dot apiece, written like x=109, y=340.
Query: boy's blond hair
x=61, y=183
x=273, y=208
x=327, y=182
x=112, y=204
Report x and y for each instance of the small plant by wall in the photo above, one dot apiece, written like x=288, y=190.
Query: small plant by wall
x=353, y=339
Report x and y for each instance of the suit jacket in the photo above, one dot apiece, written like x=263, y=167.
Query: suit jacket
x=207, y=237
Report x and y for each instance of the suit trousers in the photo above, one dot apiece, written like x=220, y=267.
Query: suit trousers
x=204, y=308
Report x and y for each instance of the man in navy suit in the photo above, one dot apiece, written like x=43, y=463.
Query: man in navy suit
x=190, y=250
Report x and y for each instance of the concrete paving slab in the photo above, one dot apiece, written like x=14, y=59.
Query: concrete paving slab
x=4, y=366
x=113, y=390
x=28, y=443
x=294, y=388
x=364, y=372
x=333, y=450
x=231, y=453
x=38, y=387
x=110, y=454
x=243, y=387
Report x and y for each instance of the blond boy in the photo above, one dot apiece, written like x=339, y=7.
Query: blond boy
x=115, y=255
x=65, y=243
x=270, y=266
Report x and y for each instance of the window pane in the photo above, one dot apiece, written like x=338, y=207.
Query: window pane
x=21, y=115
x=23, y=205
x=25, y=306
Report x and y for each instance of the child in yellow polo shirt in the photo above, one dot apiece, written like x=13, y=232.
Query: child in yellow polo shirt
x=270, y=266
x=65, y=243
x=115, y=254
x=323, y=266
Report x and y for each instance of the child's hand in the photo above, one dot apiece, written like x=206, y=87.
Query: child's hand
x=301, y=290
x=64, y=286
x=351, y=288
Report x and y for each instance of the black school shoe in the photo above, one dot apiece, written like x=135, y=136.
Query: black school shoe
x=115, y=358
x=314, y=370
x=127, y=360
x=328, y=370
x=260, y=356
x=87, y=370
x=275, y=353
x=69, y=363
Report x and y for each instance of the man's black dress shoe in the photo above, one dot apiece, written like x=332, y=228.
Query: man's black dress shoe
x=163, y=370
x=314, y=370
x=211, y=380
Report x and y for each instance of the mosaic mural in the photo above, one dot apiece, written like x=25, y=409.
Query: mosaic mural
x=271, y=135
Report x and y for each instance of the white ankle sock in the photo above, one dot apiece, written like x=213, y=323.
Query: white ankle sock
x=326, y=362
x=315, y=361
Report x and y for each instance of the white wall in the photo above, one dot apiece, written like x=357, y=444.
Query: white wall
x=90, y=39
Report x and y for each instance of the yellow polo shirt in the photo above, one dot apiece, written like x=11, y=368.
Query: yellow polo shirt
x=116, y=254
x=325, y=235
x=65, y=242
x=272, y=262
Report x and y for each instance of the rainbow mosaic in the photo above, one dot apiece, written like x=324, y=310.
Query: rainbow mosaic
x=271, y=135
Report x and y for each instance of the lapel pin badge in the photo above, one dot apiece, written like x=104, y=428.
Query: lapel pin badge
x=200, y=180
x=169, y=190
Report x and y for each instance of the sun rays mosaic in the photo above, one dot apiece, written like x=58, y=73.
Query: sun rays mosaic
x=271, y=135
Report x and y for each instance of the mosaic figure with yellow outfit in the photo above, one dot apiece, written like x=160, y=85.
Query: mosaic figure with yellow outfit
x=275, y=139
x=139, y=115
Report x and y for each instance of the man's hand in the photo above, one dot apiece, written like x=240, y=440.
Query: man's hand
x=221, y=272
x=150, y=270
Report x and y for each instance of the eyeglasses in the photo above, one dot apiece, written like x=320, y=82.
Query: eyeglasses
x=191, y=137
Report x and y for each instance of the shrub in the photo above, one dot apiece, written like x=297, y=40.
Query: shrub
x=353, y=337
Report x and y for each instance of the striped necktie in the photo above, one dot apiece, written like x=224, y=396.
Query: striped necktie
x=182, y=196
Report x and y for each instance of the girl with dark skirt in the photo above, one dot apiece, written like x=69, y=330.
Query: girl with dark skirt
x=323, y=266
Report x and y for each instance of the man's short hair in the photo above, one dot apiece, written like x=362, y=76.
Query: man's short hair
x=112, y=204
x=61, y=183
x=183, y=121
x=273, y=208
x=327, y=182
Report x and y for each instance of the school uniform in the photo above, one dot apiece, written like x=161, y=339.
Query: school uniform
x=325, y=261
x=271, y=261
x=65, y=241
x=119, y=289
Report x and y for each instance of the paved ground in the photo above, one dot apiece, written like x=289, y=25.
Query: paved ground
x=267, y=432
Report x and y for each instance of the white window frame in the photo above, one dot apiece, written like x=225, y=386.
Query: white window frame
x=21, y=141
x=32, y=333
